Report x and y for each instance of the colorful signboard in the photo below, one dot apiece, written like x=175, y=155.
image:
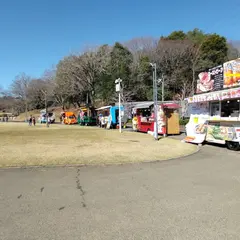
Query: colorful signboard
x=232, y=73
x=212, y=80
x=216, y=96
x=196, y=129
x=217, y=133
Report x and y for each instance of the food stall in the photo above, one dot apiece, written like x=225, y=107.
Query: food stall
x=87, y=116
x=168, y=117
x=108, y=116
x=215, y=109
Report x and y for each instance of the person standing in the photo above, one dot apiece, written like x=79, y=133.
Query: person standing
x=100, y=120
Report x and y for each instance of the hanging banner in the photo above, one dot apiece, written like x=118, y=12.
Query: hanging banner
x=215, y=96
x=232, y=73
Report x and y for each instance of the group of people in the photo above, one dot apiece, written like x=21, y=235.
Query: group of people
x=103, y=121
x=4, y=119
x=32, y=121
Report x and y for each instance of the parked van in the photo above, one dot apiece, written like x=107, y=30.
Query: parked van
x=43, y=117
x=69, y=118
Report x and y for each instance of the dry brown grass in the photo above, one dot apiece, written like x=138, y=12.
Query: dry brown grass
x=22, y=145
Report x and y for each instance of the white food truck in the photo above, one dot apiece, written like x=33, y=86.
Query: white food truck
x=215, y=115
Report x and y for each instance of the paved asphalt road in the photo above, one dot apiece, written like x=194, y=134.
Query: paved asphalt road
x=197, y=197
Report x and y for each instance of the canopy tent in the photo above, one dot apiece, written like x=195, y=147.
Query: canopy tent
x=102, y=108
x=143, y=105
x=171, y=105
x=149, y=104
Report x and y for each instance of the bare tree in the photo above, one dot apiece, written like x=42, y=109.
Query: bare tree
x=174, y=59
x=19, y=88
x=1, y=91
x=142, y=46
x=65, y=81
x=84, y=70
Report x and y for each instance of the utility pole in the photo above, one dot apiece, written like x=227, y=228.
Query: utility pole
x=118, y=89
x=45, y=98
x=46, y=110
x=155, y=100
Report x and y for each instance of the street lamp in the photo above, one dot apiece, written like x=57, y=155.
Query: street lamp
x=161, y=80
x=155, y=100
x=118, y=89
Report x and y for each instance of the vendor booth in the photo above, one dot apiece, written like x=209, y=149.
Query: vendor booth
x=168, y=118
x=215, y=115
x=87, y=116
x=108, y=116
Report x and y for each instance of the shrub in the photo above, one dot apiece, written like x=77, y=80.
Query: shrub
x=183, y=121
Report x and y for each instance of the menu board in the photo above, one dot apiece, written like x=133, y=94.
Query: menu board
x=216, y=74
x=232, y=73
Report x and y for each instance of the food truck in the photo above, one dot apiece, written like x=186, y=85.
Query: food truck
x=215, y=108
x=69, y=118
x=87, y=116
x=108, y=116
x=167, y=119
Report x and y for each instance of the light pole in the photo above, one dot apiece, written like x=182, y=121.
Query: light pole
x=162, y=88
x=161, y=81
x=45, y=98
x=118, y=89
x=155, y=100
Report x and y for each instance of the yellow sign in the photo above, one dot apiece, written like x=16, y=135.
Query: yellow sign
x=195, y=120
x=232, y=74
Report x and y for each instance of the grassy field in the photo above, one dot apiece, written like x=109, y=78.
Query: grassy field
x=22, y=145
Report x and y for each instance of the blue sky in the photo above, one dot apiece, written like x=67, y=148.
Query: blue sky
x=36, y=34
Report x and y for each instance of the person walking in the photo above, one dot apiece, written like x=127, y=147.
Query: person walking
x=30, y=121
x=34, y=121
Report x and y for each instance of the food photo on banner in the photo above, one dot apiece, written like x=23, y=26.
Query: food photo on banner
x=232, y=73
x=211, y=80
x=204, y=82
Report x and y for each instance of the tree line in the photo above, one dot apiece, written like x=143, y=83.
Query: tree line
x=88, y=78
